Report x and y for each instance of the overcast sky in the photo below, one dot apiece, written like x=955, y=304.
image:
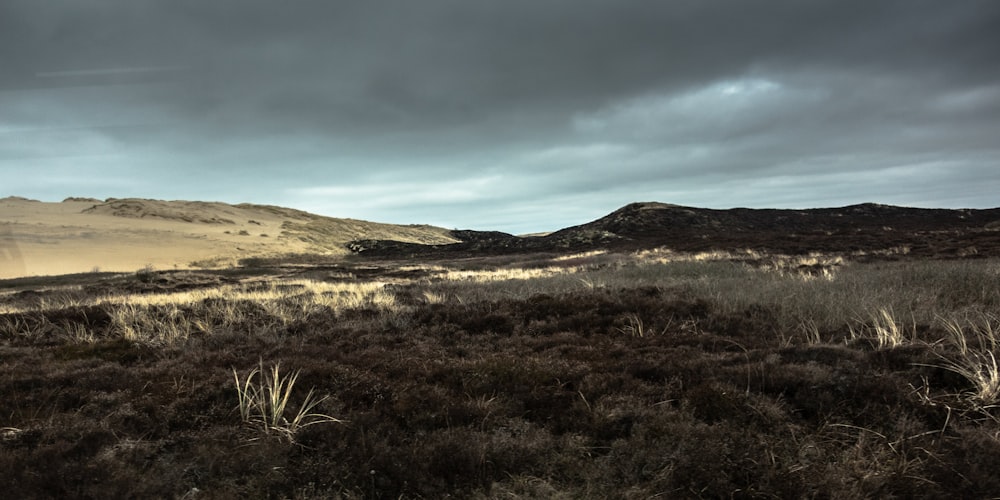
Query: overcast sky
x=512, y=115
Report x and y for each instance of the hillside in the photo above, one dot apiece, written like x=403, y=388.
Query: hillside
x=639, y=220
x=81, y=234
x=855, y=228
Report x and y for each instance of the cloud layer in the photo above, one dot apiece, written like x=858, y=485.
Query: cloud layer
x=517, y=115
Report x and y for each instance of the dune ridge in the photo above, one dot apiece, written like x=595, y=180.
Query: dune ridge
x=84, y=234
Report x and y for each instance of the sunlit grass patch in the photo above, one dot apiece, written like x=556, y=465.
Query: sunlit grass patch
x=815, y=265
x=168, y=318
x=506, y=274
x=432, y=297
x=335, y=295
x=423, y=267
x=580, y=256
x=666, y=255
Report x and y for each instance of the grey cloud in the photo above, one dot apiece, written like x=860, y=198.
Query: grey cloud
x=577, y=104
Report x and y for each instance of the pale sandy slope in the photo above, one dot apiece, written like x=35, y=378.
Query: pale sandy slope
x=39, y=238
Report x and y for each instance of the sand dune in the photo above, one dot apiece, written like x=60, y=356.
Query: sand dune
x=81, y=235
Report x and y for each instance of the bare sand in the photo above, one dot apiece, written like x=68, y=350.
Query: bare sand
x=74, y=236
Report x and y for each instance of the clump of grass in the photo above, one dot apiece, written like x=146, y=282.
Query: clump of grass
x=977, y=363
x=633, y=326
x=263, y=398
x=982, y=371
x=590, y=284
x=811, y=332
x=433, y=298
x=146, y=274
x=984, y=328
x=884, y=330
x=888, y=332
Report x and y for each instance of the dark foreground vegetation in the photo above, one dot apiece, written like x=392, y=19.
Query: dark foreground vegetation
x=599, y=375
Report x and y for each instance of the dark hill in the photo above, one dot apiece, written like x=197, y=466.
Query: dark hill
x=653, y=219
x=858, y=228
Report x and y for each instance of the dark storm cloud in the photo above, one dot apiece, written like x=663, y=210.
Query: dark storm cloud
x=462, y=112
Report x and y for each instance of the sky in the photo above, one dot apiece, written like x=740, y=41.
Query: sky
x=514, y=115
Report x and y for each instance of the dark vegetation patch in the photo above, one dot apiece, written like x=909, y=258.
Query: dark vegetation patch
x=924, y=233
x=603, y=392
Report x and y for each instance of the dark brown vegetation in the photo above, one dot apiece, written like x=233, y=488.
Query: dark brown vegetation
x=933, y=233
x=600, y=375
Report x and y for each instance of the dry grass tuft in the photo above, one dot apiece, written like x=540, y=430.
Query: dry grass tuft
x=975, y=362
x=884, y=330
x=264, y=396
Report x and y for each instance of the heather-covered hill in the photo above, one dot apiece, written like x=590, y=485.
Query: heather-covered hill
x=867, y=227
x=643, y=220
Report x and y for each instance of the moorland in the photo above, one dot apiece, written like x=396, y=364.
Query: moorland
x=659, y=352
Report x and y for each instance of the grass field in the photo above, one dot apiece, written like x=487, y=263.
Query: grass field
x=596, y=375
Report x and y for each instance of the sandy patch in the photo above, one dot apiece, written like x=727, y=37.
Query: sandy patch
x=80, y=235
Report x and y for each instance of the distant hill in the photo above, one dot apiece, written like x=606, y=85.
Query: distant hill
x=855, y=228
x=639, y=220
x=84, y=234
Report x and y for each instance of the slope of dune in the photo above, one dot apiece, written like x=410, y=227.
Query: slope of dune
x=81, y=235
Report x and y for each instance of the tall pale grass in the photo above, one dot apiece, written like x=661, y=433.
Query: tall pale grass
x=731, y=282
x=507, y=274
x=263, y=397
x=171, y=317
x=334, y=295
x=884, y=330
x=976, y=362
